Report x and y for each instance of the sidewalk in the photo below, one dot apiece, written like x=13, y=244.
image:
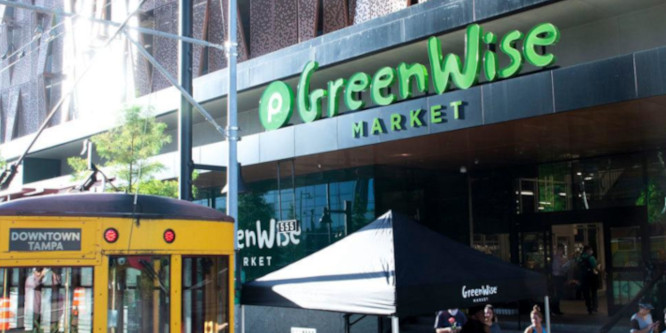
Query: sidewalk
x=578, y=323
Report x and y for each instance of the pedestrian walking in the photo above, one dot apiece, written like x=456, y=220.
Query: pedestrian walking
x=491, y=319
x=537, y=320
x=641, y=321
x=589, y=270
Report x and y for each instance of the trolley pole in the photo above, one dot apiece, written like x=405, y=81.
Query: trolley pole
x=232, y=164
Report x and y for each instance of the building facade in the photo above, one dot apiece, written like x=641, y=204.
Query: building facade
x=512, y=126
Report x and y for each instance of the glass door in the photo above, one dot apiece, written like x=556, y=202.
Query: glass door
x=533, y=251
x=625, y=272
x=572, y=239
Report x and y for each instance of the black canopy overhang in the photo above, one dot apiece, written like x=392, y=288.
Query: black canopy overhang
x=394, y=266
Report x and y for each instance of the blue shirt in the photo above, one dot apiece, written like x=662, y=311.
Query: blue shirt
x=639, y=323
x=495, y=328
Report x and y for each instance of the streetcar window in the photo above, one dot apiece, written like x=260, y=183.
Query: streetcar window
x=46, y=299
x=138, y=294
x=205, y=294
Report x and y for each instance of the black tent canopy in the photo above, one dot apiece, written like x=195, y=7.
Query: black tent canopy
x=394, y=267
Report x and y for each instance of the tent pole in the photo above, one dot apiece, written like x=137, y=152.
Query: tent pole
x=395, y=328
x=242, y=318
x=547, y=309
x=346, y=317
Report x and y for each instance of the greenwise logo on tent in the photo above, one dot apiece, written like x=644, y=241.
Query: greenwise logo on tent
x=276, y=106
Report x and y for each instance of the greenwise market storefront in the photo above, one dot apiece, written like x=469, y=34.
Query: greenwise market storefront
x=511, y=128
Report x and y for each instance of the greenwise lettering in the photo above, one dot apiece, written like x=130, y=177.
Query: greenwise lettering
x=448, y=72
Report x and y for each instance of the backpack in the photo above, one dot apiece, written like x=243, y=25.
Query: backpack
x=585, y=265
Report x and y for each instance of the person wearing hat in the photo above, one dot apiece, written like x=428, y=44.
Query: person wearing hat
x=476, y=321
x=641, y=321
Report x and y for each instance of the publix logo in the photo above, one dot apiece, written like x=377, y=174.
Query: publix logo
x=276, y=106
x=446, y=71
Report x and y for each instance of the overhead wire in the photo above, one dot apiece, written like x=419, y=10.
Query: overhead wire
x=52, y=36
x=9, y=173
x=26, y=55
x=115, y=24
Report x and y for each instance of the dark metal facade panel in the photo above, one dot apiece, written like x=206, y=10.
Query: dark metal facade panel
x=166, y=19
x=288, y=66
x=596, y=83
x=29, y=114
x=470, y=112
x=425, y=23
x=484, y=9
x=242, y=48
x=308, y=12
x=366, y=10
x=22, y=69
x=351, y=8
x=199, y=13
x=586, y=85
x=276, y=145
x=345, y=134
x=521, y=97
x=397, y=119
x=216, y=24
x=335, y=15
x=261, y=24
x=316, y=137
x=360, y=43
x=9, y=115
x=651, y=72
x=285, y=23
x=142, y=70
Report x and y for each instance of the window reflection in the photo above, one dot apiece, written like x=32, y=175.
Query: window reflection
x=205, y=294
x=138, y=294
x=47, y=299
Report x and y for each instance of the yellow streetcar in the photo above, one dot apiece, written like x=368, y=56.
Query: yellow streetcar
x=114, y=263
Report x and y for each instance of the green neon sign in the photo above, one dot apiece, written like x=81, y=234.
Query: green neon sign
x=447, y=71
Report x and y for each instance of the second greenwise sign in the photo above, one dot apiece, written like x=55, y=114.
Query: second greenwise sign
x=277, y=102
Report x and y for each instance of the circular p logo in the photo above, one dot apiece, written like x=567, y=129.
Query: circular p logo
x=276, y=105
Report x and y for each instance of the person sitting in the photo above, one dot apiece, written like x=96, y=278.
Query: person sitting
x=476, y=322
x=641, y=321
x=491, y=319
x=537, y=319
x=449, y=321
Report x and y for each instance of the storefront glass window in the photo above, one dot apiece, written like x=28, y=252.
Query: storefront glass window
x=654, y=197
x=138, y=294
x=553, y=188
x=532, y=251
x=615, y=181
x=47, y=299
x=278, y=227
x=626, y=247
x=626, y=286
